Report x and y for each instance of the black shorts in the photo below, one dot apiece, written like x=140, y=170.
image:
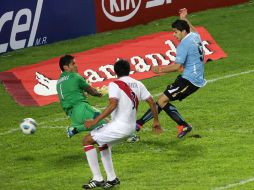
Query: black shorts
x=180, y=89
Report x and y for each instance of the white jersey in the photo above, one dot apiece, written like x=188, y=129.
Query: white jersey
x=123, y=121
x=137, y=87
x=125, y=112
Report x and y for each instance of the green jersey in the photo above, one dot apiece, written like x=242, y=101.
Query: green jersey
x=70, y=87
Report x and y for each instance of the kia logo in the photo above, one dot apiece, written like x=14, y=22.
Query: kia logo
x=123, y=5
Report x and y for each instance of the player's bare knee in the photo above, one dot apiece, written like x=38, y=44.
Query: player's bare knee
x=163, y=100
x=87, y=140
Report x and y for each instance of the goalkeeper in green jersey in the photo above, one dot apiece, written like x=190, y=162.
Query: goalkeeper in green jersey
x=70, y=89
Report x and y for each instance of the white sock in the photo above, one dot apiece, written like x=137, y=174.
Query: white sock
x=92, y=159
x=107, y=162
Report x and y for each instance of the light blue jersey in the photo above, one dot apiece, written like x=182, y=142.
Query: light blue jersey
x=189, y=54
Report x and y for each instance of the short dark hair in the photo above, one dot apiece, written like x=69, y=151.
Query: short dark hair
x=181, y=25
x=122, y=68
x=65, y=60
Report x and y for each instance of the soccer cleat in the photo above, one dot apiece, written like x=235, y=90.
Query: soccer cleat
x=71, y=131
x=109, y=184
x=93, y=184
x=133, y=138
x=183, y=130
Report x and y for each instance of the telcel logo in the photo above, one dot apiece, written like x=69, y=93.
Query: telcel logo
x=126, y=6
x=17, y=28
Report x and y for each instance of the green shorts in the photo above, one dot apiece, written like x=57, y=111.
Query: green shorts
x=82, y=112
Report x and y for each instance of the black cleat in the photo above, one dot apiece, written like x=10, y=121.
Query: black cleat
x=93, y=184
x=71, y=131
x=109, y=184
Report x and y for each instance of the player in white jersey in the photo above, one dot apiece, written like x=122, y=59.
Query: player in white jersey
x=190, y=60
x=123, y=105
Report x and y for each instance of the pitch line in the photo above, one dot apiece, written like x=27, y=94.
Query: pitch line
x=221, y=78
x=42, y=127
x=156, y=95
x=53, y=127
x=10, y=131
x=229, y=76
x=242, y=182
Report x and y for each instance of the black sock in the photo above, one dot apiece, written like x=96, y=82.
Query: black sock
x=174, y=114
x=148, y=115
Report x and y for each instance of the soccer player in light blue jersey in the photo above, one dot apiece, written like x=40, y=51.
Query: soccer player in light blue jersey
x=189, y=60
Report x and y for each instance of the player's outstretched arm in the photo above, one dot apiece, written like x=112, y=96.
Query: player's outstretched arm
x=167, y=69
x=92, y=91
x=156, y=124
x=183, y=16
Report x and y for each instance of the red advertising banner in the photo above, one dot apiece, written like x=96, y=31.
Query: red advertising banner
x=36, y=84
x=116, y=14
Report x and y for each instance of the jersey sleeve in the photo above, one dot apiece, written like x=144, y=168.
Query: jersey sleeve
x=113, y=91
x=181, y=53
x=144, y=93
x=82, y=82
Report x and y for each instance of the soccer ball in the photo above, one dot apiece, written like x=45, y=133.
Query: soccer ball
x=28, y=126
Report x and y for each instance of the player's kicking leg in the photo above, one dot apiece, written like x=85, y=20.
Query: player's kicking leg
x=179, y=90
x=139, y=124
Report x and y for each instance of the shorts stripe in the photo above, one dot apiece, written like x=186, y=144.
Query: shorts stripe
x=180, y=89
